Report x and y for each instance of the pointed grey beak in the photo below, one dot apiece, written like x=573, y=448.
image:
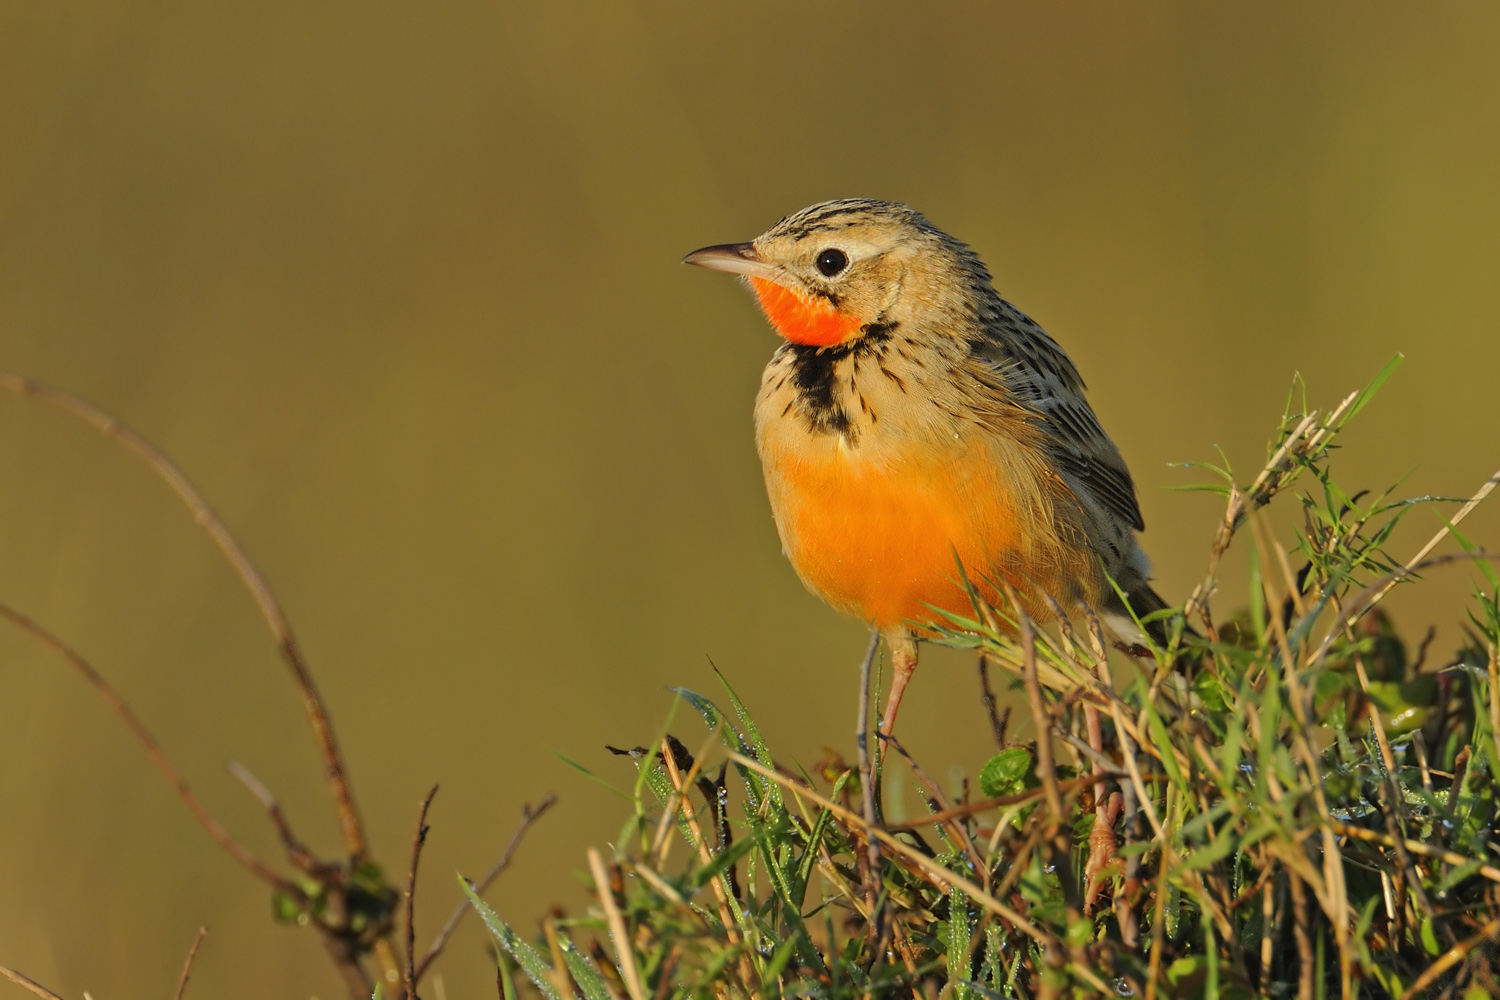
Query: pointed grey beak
x=735, y=258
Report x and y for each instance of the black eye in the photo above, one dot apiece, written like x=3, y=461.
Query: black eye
x=832, y=261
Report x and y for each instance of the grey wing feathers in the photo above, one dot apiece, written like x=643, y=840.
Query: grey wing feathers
x=1040, y=377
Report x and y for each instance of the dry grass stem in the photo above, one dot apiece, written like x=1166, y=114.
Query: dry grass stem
x=1434, y=541
x=624, y=951
x=29, y=984
x=187, y=965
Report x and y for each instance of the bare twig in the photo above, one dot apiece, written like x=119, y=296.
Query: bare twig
x=28, y=983
x=997, y=721
x=417, y=843
x=528, y=817
x=617, y=931
x=950, y=821
x=234, y=554
x=153, y=750
x=187, y=965
x=296, y=851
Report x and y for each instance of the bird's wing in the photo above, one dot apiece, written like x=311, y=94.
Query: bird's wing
x=1035, y=373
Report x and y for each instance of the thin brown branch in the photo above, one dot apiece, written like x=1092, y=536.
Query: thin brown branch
x=297, y=852
x=345, y=955
x=960, y=833
x=418, y=841
x=1267, y=928
x=200, y=812
x=528, y=817
x=997, y=721
x=187, y=965
x=239, y=561
x=27, y=983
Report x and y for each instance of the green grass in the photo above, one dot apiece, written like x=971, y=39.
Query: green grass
x=1288, y=802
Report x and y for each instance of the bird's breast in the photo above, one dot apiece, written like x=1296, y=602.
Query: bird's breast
x=877, y=514
x=883, y=480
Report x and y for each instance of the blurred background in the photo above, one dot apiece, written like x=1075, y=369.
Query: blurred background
x=398, y=285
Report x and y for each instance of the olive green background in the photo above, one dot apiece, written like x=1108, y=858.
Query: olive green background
x=398, y=285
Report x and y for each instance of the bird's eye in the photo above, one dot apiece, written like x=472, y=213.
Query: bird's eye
x=832, y=261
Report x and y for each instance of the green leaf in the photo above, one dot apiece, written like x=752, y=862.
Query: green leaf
x=814, y=838
x=584, y=974
x=757, y=786
x=1164, y=745
x=507, y=984
x=769, y=789
x=1429, y=937
x=528, y=958
x=1006, y=772
x=591, y=775
x=778, y=962
x=1211, y=690
x=958, y=941
x=1374, y=387
x=790, y=889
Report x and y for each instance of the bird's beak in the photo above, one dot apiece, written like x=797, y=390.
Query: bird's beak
x=735, y=258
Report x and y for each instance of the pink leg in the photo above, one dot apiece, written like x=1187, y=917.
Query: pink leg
x=903, y=665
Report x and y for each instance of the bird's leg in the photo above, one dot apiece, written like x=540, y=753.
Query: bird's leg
x=903, y=664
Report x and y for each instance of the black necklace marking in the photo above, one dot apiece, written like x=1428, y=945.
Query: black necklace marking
x=815, y=376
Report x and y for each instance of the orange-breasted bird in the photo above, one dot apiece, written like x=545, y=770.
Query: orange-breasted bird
x=913, y=415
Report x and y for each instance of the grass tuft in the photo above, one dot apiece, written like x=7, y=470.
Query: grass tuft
x=1288, y=802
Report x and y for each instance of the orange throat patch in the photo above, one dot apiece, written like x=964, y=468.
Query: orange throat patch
x=802, y=319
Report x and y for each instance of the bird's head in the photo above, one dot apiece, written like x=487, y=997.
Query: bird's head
x=826, y=274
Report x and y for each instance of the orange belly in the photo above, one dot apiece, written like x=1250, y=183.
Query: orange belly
x=879, y=542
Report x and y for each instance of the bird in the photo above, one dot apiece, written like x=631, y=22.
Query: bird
x=918, y=431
